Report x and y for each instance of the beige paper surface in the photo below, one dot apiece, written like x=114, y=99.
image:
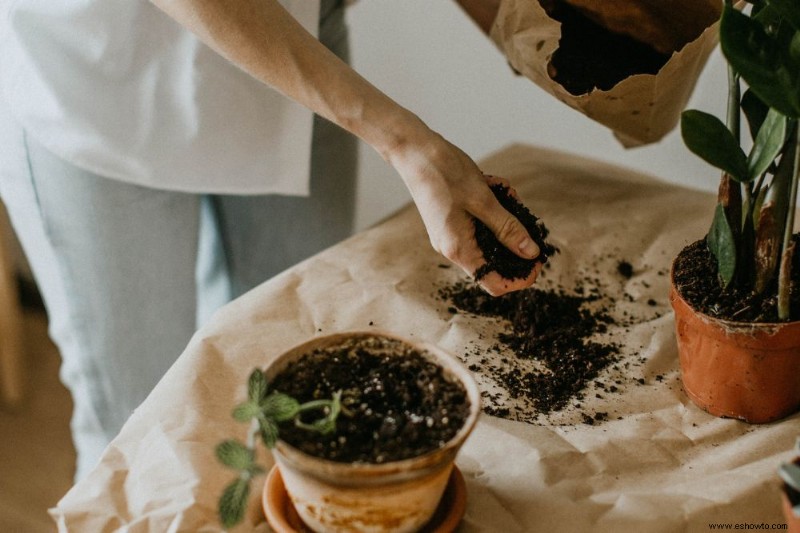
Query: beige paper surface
x=640, y=109
x=658, y=464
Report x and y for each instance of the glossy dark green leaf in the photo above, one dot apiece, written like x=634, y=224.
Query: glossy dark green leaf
x=754, y=110
x=761, y=61
x=722, y=244
x=789, y=10
x=707, y=137
x=768, y=144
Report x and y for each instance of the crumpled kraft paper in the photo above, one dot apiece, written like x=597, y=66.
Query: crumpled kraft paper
x=658, y=464
x=640, y=109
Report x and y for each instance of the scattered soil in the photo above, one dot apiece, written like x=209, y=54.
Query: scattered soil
x=399, y=404
x=551, y=357
x=695, y=276
x=499, y=258
x=590, y=56
x=552, y=327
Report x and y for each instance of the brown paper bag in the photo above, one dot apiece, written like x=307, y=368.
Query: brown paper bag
x=637, y=81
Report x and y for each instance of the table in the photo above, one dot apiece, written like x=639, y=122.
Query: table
x=657, y=464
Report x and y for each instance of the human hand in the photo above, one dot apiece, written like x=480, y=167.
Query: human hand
x=449, y=190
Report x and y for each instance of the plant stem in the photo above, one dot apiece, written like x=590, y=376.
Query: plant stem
x=315, y=404
x=784, y=277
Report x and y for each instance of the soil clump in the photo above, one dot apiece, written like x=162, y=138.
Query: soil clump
x=590, y=56
x=499, y=258
x=550, y=326
x=396, y=404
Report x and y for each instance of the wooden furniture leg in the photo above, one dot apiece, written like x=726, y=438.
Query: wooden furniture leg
x=12, y=371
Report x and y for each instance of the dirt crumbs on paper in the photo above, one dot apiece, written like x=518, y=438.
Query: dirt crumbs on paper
x=552, y=347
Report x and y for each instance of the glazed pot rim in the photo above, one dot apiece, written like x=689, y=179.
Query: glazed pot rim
x=390, y=471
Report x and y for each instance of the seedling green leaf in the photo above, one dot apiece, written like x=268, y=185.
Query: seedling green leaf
x=233, y=502
x=256, y=386
x=245, y=411
x=280, y=407
x=235, y=455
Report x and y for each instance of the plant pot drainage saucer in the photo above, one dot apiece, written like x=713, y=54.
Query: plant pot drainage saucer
x=283, y=518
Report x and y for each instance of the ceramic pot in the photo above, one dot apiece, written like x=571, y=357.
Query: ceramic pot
x=749, y=371
x=399, y=496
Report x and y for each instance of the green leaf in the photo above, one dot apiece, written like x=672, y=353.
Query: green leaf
x=256, y=386
x=233, y=502
x=788, y=9
x=245, y=411
x=235, y=455
x=707, y=137
x=768, y=144
x=722, y=244
x=280, y=407
x=754, y=110
x=326, y=424
x=761, y=61
x=794, y=47
x=269, y=432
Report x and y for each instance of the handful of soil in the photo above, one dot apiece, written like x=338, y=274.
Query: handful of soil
x=499, y=258
x=396, y=403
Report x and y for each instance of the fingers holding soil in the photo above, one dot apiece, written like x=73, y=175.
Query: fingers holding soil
x=496, y=285
x=505, y=268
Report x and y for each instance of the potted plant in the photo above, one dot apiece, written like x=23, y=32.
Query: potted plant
x=790, y=475
x=364, y=429
x=735, y=294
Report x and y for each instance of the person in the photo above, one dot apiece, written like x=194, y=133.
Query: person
x=161, y=158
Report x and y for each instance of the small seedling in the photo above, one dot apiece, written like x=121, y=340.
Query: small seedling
x=264, y=410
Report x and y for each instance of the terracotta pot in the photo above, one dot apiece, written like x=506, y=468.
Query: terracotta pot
x=749, y=371
x=399, y=496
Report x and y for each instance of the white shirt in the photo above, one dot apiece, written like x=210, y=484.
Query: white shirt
x=120, y=89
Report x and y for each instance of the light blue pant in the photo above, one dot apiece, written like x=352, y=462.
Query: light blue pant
x=127, y=272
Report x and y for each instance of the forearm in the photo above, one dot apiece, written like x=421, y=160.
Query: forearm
x=483, y=12
x=263, y=39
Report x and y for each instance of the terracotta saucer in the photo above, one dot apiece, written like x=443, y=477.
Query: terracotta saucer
x=283, y=518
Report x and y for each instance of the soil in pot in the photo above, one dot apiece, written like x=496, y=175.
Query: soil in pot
x=590, y=56
x=499, y=258
x=398, y=403
x=695, y=276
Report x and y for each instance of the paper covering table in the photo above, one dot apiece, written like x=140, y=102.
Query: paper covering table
x=658, y=464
